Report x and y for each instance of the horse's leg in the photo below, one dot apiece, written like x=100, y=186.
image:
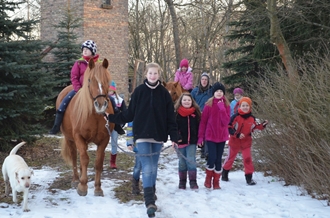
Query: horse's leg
x=84, y=160
x=73, y=150
x=99, y=167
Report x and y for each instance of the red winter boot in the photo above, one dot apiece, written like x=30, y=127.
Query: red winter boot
x=216, y=178
x=113, y=161
x=208, y=178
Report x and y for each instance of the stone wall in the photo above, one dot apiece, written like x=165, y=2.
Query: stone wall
x=107, y=25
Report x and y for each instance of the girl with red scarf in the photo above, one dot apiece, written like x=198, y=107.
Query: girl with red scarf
x=187, y=118
x=241, y=126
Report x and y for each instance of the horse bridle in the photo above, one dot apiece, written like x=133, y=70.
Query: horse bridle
x=98, y=96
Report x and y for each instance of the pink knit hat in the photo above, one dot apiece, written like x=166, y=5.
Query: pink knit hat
x=238, y=91
x=184, y=63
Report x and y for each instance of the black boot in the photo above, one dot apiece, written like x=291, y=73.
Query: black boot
x=135, y=187
x=150, y=201
x=57, y=123
x=155, y=196
x=249, y=179
x=182, y=179
x=224, y=176
x=192, y=179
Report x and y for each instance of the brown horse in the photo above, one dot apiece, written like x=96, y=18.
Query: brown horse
x=84, y=123
x=175, y=89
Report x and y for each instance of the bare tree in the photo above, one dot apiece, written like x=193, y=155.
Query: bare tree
x=276, y=36
x=178, y=54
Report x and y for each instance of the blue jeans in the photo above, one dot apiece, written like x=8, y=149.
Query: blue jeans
x=215, y=154
x=149, y=163
x=66, y=100
x=189, y=152
x=137, y=168
x=114, y=142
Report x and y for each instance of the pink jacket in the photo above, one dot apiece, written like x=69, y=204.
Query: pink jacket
x=214, y=122
x=77, y=73
x=185, y=79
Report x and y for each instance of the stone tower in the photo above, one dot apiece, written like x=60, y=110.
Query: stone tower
x=105, y=22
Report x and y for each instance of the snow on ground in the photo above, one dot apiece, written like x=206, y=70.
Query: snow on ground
x=269, y=198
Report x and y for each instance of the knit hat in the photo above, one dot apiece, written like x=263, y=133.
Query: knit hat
x=218, y=86
x=238, y=91
x=205, y=74
x=91, y=45
x=247, y=100
x=112, y=86
x=184, y=63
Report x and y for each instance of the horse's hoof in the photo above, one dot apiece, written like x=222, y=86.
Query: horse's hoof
x=82, y=190
x=99, y=193
x=81, y=193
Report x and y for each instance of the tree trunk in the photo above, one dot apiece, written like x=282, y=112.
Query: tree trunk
x=276, y=36
x=175, y=32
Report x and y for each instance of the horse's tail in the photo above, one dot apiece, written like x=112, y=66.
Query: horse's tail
x=66, y=151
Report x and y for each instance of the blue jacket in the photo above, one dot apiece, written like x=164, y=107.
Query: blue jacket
x=233, y=103
x=201, y=97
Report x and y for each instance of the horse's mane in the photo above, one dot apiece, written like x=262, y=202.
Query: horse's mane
x=84, y=103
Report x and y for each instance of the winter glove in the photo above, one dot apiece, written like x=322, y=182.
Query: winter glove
x=221, y=106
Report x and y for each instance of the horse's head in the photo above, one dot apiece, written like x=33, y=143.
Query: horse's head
x=174, y=88
x=98, y=84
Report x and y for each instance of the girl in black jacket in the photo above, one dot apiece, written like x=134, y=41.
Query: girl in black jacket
x=187, y=118
x=152, y=111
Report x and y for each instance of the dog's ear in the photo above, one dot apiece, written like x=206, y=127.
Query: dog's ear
x=31, y=172
x=16, y=174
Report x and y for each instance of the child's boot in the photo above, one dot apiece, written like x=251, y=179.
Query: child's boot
x=113, y=161
x=150, y=201
x=183, y=179
x=208, y=178
x=249, y=179
x=224, y=176
x=135, y=187
x=154, y=188
x=216, y=179
x=57, y=124
x=192, y=179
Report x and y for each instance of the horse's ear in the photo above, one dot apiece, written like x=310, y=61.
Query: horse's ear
x=164, y=83
x=91, y=63
x=105, y=63
x=176, y=84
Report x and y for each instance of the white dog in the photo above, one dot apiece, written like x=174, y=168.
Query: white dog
x=16, y=172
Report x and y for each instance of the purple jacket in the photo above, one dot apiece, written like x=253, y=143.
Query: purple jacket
x=77, y=73
x=185, y=78
x=214, y=122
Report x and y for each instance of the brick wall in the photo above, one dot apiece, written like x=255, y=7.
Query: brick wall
x=107, y=27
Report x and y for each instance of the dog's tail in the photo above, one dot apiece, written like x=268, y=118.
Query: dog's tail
x=15, y=149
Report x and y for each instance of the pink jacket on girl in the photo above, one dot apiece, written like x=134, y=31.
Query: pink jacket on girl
x=77, y=73
x=184, y=78
x=214, y=122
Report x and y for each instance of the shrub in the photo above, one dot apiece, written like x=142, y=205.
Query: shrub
x=295, y=145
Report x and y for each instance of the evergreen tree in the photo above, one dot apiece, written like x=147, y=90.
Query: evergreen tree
x=24, y=80
x=255, y=52
x=305, y=27
x=66, y=50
